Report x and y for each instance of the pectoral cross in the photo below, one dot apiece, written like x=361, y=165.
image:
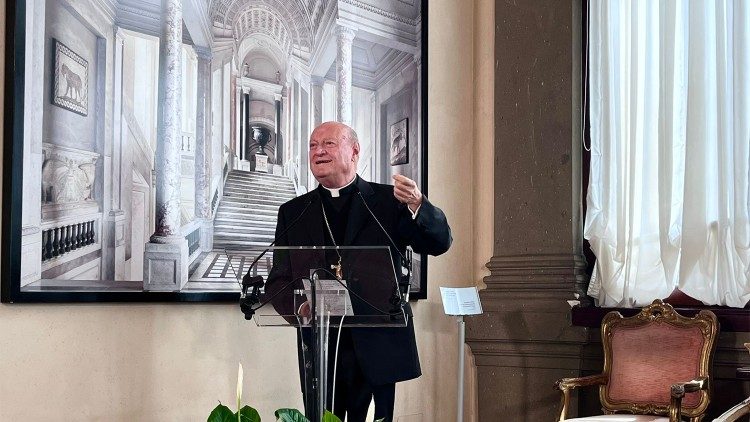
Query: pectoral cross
x=339, y=270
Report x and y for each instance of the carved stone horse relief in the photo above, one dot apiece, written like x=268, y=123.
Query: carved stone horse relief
x=73, y=84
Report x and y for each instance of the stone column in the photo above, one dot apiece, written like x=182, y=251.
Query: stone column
x=246, y=121
x=243, y=126
x=345, y=38
x=279, y=159
x=203, y=148
x=286, y=131
x=247, y=131
x=524, y=341
x=33, y=131
x=165, y=264
x=316, y=92
x=237, y=122
x=289, y=106
x=113, y=254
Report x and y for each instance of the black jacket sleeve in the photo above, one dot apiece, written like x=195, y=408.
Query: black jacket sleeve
x=428, y=233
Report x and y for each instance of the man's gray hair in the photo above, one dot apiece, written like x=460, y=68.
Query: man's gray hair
x=353, y=138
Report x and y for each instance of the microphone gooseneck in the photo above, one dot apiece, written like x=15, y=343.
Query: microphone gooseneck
x=404, y=280
x=256, y=282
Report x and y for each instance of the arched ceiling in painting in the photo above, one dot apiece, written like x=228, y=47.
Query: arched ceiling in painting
x=387, y=36
x=292, y=23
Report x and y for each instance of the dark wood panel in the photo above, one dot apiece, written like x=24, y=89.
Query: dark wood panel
x=732, y=320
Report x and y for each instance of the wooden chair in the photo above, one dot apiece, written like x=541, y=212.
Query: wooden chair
x=656, y=363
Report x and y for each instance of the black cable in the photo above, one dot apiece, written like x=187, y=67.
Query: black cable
x=310, y=201
x=403, y=259
x=405, y=263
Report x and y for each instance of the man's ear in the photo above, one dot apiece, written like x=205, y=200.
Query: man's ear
x=355, y=147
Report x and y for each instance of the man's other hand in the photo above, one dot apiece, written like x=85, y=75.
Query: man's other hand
x=407, y=192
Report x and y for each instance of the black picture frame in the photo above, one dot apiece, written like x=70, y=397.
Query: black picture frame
x=13, y=174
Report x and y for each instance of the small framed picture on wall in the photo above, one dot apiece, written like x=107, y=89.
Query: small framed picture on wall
x=400, y=142
x=70, y=88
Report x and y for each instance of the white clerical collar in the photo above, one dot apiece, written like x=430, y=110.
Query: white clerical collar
x=335, y=192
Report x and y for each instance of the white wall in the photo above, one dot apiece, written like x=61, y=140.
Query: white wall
x=149, y=362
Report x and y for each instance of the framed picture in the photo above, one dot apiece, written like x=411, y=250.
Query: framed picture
x=129, y=175
x=400, y=142
x=71, y=74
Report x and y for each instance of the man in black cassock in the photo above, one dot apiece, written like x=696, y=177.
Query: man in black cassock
x=370, y=360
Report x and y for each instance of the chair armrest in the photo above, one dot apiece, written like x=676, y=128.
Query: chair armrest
x=570, y=383
x=567, y=384
x=733, y=414
x=678, y=392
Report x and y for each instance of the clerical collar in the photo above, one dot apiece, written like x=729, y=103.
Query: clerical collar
x=347, y=188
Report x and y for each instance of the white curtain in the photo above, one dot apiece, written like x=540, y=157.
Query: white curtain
x=668, y=198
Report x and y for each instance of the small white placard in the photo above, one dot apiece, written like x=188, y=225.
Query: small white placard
x=333, y=298
x=461, y=300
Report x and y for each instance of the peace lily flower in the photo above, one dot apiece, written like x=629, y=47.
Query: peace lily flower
x=239, y=391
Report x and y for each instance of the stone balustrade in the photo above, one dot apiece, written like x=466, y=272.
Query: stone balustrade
x=58, y=241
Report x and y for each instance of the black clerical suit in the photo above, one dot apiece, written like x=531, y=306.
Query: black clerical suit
x=371, y=360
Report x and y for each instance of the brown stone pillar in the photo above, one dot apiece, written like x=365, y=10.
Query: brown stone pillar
x=524, y=341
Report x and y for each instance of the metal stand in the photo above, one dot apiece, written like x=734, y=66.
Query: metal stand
x=461, y=339
x=319, y=325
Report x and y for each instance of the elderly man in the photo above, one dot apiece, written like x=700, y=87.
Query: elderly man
x=370, y=360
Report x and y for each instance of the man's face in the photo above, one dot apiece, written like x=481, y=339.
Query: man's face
x=333, y=156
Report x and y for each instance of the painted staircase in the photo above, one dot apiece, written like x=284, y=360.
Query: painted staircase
x=246, y=217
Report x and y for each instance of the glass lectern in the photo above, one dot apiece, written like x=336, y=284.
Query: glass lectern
x=316, y=288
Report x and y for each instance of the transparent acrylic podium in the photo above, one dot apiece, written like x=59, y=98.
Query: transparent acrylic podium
x=302, y=290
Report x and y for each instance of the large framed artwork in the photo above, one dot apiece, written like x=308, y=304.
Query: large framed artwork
x=134, y=174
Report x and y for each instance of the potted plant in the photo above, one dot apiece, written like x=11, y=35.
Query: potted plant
x=222, y=413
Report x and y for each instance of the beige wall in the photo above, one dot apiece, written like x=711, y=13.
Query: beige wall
x=176, y=361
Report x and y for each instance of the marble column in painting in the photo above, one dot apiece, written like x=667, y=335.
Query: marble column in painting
x=113, y=239
x=246, y=136
x=345, y=38
x=33, y=127
x=203, y=148
x=165, y=258
x=316, y=83
x=277, y=130
x=243, y=128
x=237, y=122
x=286, y=107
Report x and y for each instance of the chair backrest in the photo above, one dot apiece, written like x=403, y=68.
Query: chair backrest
x=647, y=353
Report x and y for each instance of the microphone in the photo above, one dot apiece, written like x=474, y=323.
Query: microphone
x=247, y=301
x=404, y=279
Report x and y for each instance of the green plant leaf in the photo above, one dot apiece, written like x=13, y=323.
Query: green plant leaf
x=290, y=415
x=330, y=417
x=247, y=414
x=221, y=413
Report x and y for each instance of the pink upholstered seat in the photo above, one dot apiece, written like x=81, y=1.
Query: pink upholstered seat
x=655, y=363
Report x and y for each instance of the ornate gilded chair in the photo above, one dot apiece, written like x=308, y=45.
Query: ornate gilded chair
x=656, y=364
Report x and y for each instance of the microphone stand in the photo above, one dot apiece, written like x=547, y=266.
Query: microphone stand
x=319, y=363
